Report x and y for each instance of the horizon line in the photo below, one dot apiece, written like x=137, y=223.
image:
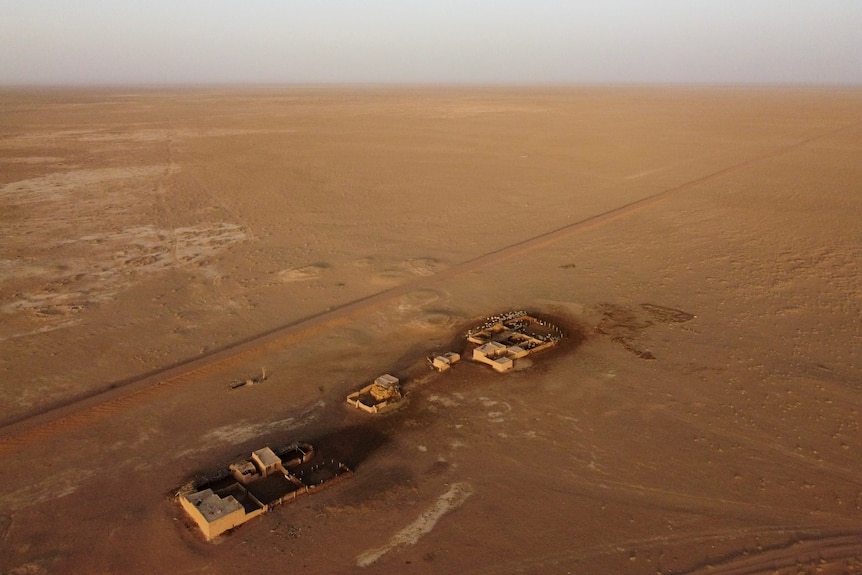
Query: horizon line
x=192, y=86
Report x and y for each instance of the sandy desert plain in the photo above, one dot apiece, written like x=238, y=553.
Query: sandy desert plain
x=702, y=248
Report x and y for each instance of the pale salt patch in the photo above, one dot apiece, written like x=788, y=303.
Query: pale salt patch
x=444, y=401
x=455, y=497
x=52, y=486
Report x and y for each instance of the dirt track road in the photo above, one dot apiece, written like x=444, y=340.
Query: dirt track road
x=15, y=435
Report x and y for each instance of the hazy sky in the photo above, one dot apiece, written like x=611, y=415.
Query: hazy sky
x=450, y=41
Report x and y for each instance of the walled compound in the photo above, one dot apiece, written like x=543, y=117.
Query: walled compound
x=383, y=394
x=249, y=488
x=505, y=338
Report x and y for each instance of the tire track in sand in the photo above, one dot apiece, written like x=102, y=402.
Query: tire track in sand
x=803, y=544
x=17, y=434
x=815, y=551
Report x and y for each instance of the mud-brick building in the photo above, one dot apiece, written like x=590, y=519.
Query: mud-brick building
x=267, y=461
x=214, y=514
